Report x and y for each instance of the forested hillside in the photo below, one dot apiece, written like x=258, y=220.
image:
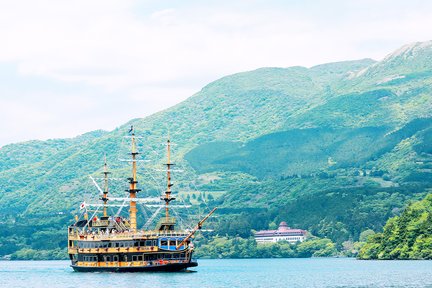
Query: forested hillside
x=407, y=236
x=335, y=149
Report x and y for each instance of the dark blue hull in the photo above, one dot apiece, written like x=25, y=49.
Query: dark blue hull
x=174, y=267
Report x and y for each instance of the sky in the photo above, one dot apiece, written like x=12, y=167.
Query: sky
x=70, y=67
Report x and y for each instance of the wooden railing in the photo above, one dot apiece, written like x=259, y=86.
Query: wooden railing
x=75, y=235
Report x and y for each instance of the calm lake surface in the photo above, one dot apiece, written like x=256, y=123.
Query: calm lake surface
x=319, y=272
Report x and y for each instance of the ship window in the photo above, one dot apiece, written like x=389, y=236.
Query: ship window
x=142, y=243
x=148, y=243
x=105, y=245
x=164, y=243
x=90, y=258
x=117, y=244
x=121, y=244
x=125, y=258
x=172, y=243
x=136, y=243
x=137, y=258
x=115, y=258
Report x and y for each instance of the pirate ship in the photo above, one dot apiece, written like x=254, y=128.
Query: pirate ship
x=113, y=243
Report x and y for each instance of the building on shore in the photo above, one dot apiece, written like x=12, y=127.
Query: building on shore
x=283, y=233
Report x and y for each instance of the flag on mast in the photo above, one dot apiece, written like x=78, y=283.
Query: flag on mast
x=83, y=205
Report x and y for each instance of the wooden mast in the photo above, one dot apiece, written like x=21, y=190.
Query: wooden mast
x=133, y=184
x=105, y=191
x=167, y=198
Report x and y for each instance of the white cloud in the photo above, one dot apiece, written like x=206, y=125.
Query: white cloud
x=153, y=54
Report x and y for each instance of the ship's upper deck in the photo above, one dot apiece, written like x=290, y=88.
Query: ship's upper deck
x=126, y=235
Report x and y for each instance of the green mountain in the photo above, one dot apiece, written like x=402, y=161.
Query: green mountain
x=324, y=148
x=303, y=151
x=407, y=236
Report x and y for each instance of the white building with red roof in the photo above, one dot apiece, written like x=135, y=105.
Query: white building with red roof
x=283, y=233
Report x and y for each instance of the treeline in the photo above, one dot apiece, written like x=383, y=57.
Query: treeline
x=339, y=214
x=40, y=238
x=33, y=254
x=408, y=236
x=224, y=247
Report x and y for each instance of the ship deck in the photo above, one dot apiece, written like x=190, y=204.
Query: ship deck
x=74, y=235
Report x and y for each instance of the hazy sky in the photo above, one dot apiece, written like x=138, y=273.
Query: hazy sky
x=69, y=67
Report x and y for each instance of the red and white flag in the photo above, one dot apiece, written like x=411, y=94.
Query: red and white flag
x=83, y=205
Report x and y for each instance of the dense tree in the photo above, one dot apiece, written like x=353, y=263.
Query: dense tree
x=407, y=236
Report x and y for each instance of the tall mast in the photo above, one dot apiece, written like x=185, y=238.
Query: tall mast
x=167, y=198
x=133, y=183
x=105, y=191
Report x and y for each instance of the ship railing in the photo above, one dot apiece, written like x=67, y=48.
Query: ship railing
x=127, y=235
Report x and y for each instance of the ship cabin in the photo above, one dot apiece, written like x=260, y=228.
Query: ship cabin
x=105, y=244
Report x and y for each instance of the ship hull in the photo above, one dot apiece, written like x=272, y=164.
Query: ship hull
x=175, y=267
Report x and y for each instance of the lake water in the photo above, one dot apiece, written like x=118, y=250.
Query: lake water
x=317, y=272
